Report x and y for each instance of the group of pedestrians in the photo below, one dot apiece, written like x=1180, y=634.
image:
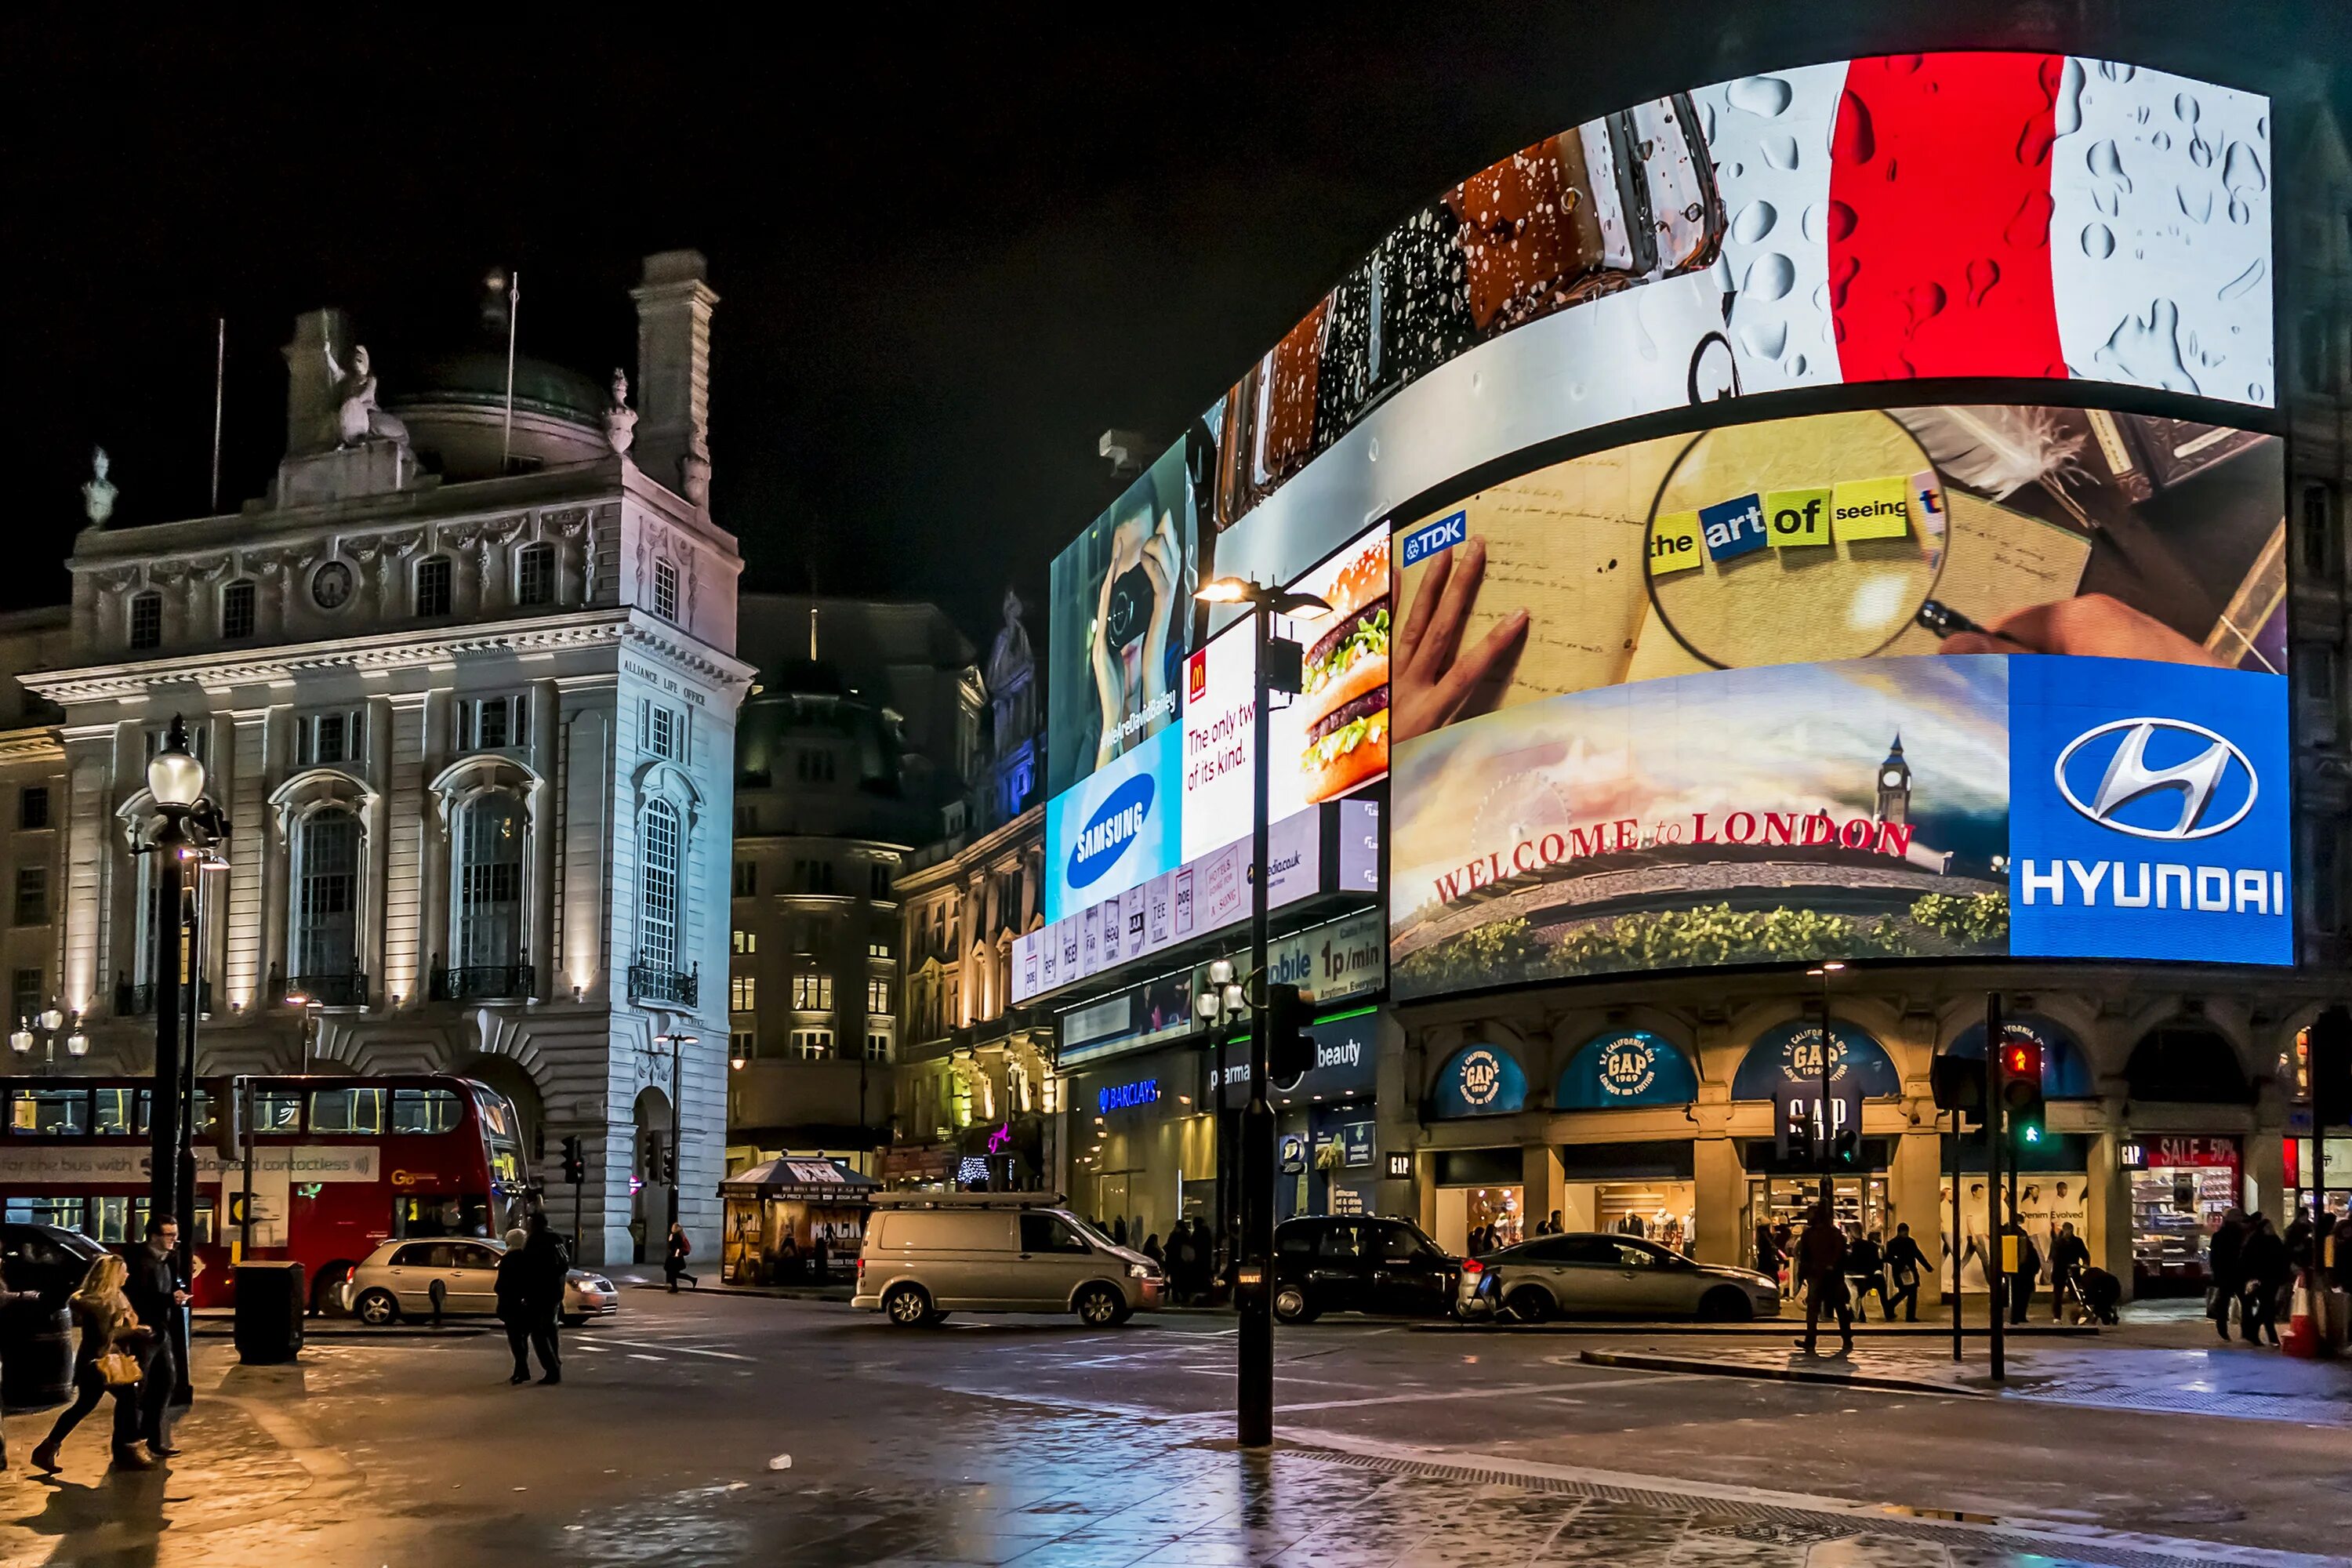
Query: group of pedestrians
x=2252, y=1268
x=126, y=1311
x=1190, y=1260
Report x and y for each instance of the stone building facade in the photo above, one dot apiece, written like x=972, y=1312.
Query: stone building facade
x=467, y=701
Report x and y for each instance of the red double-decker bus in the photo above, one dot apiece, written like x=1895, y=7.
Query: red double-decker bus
x=339, y=1165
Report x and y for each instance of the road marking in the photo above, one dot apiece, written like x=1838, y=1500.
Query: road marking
x=658, y=1345
x=1489, y=1393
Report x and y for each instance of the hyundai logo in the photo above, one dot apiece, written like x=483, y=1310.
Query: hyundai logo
x=2197, y=776
x=1107, y=833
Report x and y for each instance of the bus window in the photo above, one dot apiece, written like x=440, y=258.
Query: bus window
x=204, y=1227
x=496, y=1119
x=118, y=1219
x=199, y=1120
x=468, y=1216
x=116, y=1109
x=63, y=1213
x=424, y=1111
x=277, y=1110
x=50, y=1112
x=347, y=1110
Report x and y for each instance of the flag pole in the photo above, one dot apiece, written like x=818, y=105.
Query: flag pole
x=220, y=381
x=514, y=300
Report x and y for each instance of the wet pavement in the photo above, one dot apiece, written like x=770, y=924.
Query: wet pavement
x=741, y=1430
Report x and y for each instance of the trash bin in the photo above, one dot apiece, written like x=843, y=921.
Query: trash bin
x=268, y=1313
x=37, y=1355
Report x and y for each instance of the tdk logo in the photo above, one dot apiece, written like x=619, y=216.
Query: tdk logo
x=1428, y=539
x=1107, y=833
x=2158, y=778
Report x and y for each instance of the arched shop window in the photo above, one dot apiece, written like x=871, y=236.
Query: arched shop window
x=1478, y=1080
x=2065, y=1071
x=1790, y=1053
x=2186, y=1061
x=1625, y=1066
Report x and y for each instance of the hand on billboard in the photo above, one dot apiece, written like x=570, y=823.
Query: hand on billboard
x=1110, y=692
x=2091, y=625
x=1430, y=682
x=1163, y=561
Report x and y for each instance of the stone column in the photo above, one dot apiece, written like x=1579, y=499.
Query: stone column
x=433, y=842
x=1542, y=1183
x=544, y=696
x=1719, y=1191
x=278, y=747
x=376, y=911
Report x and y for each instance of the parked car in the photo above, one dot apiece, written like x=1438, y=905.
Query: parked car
x=1588, y=1274
x=396, y=1280
x=1354, y=1263
x=929, y=1254
x=36, y=1344
x=48, y=1259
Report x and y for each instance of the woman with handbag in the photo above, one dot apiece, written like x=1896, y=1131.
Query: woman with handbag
x=107, y=1363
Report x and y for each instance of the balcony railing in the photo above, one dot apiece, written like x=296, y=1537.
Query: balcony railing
x=485, y=981
x=660, y=984
x=346, y=990
x=138, y=1001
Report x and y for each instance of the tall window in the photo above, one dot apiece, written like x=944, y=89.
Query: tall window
x=742, y=1045
x=661, y=731
x=489, y=883
x=745, y=942
x=488, y=723
x=433, y=586
x=321, y=738
x=811, y=991
x=237, y=608
x=535, y=575
x=747, y=879
x=24, y=992
x=146, y=621
x=657, y=883
x=33, y=808
x=813, y=1045
x=32, y=895
x=327, y=887
x=877, y=1047
x=877, y=996
x=743, y=993
x=666, y=590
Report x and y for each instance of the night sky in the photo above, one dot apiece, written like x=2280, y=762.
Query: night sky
x=948, y=256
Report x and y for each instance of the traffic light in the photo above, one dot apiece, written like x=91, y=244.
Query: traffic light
x=575, y=1162
x=2021, y=1094
x=1289, y=1052
x=1959, y=1083
x=1794, y=1133
x=1845, y=1149
x=2330, y=1041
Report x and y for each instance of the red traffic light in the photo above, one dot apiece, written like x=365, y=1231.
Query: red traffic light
x=2021, y=1060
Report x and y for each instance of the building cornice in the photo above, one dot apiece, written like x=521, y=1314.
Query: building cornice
x=35, y=745
x=1013, y=837
x=220, y=670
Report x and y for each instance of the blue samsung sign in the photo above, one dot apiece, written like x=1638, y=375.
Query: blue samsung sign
x=1109, y=832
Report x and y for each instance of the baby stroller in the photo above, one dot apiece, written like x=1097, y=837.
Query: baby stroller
x=2095, y=1293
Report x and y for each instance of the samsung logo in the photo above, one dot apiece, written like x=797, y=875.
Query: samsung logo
x=1114, y=825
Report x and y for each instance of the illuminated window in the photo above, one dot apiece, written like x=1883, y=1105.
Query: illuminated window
x=488, y=933
x=659, y=900
x=813, y=1045
x=742, y=993
x=811, y=991
x=745, y=940
x=877, y=1047
x=878, y=995
x=326, y=883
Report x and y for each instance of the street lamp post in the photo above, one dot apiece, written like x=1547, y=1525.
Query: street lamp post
x=45, y=1025
x=177, y=781
x=677, y=1044
x=1825, y=1146
x=1253, y=1276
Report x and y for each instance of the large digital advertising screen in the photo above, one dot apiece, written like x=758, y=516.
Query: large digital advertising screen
x=1938, y=216
x=1952, y=680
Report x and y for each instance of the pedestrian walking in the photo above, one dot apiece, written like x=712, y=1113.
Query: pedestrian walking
x=1784, y=1245
x=1119, y=1230
x=156, y=1292
x=674, y=1258
x=1906, y=1264
x=107, y=1361
x=1768, y=1255
x=1150, y=1249
x=1865, y=1267
x=1821, y=1274
x=2225, y=1268
x=2265, y=1258
x=546, y=1263
x=2301, y=1234
x=515, y=1307
x=2068, y=1258
x=2027, y=1270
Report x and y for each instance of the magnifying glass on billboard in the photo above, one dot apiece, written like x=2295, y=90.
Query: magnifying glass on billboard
x=1797, y=541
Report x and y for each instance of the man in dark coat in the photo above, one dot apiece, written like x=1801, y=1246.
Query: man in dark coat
x=546, y=1262
x=2266, y=1276
x=157, y=1293
x=515, y=1308
x=1907, y=1266
x=1820, y=1273
x=2225, y=1268
x=2068, y=1259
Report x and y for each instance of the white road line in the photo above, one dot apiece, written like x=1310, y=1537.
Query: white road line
x=658, y=1345
x=1487, y=1392
x=634, y=1356
x=2077, y=1537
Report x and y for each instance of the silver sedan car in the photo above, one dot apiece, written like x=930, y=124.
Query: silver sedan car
x=396, y=1281
x=1587, y=1274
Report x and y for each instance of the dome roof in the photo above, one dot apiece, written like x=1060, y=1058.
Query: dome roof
x=480, y=375
x=805, y=677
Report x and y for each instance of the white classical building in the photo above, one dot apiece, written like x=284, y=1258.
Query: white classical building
x=464, y=684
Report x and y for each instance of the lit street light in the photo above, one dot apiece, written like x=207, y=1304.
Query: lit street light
x=1254, y=1268
x=46, y=1024
x=677, y=1044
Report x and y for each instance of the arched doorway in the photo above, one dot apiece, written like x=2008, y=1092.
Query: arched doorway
x=512, y=1080
x=2183, y=1181
x=649, y=1145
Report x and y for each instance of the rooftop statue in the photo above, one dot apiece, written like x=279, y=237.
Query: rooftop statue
x=1009, y=656
x=357, y=418
x=620, y=419
x=97, y=495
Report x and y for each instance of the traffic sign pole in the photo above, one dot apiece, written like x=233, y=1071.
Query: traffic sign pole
x=1996, y=1237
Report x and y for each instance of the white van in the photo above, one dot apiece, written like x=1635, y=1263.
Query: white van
x=929, y=1254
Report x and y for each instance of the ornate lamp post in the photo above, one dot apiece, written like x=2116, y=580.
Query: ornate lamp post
x=677, y=1044
x=45, y=1026
x=177, y=780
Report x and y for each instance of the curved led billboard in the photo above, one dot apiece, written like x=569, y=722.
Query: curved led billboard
x=1971, y=674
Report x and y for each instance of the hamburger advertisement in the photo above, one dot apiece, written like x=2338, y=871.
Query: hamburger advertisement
x=1329, y=741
